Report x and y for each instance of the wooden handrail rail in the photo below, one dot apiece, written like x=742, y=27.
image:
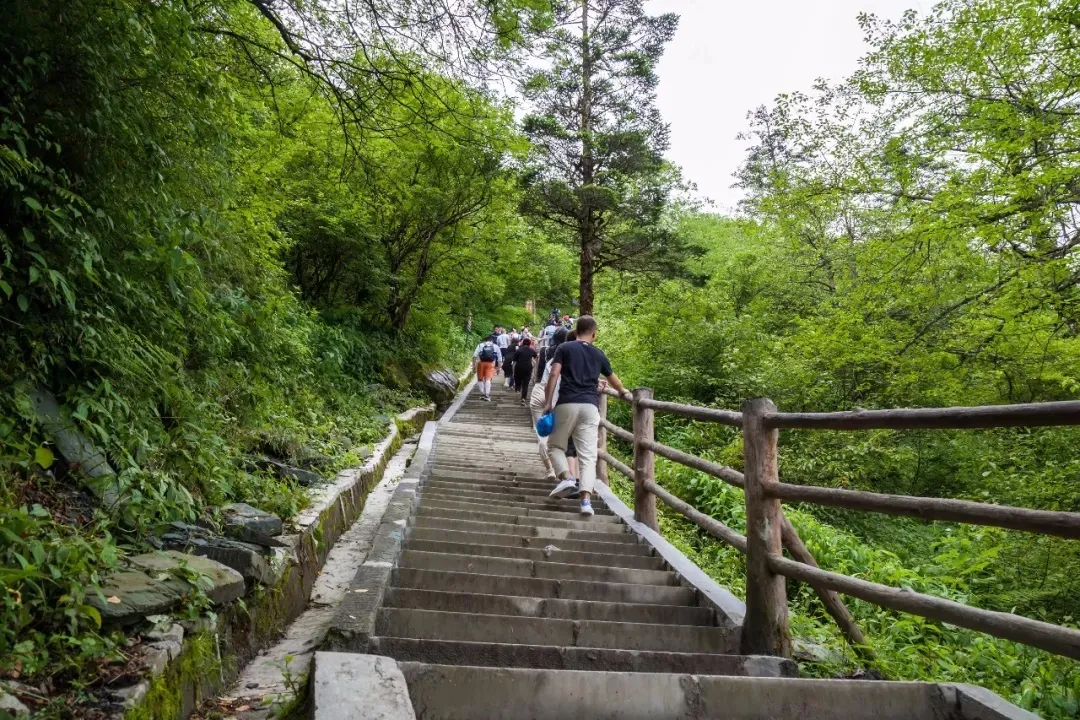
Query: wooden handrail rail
x=794, y=544
x=724, y=417
x=1049, y=522
x=709, y=524
x=722, y=472
x=624, y=435
x=765, y=628
x=618, y=464
x=1054, y=638
x=984, y=416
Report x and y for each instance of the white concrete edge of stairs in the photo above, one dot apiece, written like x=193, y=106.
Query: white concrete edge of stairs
x=325, y=496
x=731, y=609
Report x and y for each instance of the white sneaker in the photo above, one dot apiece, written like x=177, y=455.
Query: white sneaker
x=564, y=489
x=586, y=507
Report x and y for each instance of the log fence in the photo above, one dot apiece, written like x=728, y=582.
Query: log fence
x=769, y=533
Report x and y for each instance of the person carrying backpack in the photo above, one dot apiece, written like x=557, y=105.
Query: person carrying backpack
x=485, y=359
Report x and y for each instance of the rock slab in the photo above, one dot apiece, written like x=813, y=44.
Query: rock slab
x=441, y=386
x=247, y=559
x=250, y=524
x=351, y=686
x=155, y=583
x=305, y=478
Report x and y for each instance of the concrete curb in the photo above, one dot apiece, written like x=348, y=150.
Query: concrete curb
x=730, y=609
x=353, y=626
x=354, y=622
x=241, y=633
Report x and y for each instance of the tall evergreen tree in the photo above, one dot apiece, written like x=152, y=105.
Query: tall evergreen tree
x=597, y=177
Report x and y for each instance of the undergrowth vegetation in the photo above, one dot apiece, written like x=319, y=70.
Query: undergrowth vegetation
x=204, y=257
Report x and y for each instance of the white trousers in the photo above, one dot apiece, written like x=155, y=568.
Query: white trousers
x=580, y=421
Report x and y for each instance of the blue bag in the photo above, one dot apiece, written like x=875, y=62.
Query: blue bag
x=546, y=424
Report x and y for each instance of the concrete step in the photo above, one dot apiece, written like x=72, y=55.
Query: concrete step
x=530, y=494
x=448, y=581
x=591, y=524
x=536, y=488
x=451, y=652
x=456, y=494
x=534, y=473
x=515, y=433
x=441, y=692
x=521, y=459
x=620, y=548
x=469, y=627
x=519, y=510
x=543, y=532
x=555, y=554
x=485, y=565
x=463, y=602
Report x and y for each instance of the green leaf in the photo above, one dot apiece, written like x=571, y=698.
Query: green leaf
x=24, y=302
x=44, y=457
x=91, y=612
x=6, y=288
x=33, y=203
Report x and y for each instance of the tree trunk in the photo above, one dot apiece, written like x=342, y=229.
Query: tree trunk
x=586, y=227
x=585, y=282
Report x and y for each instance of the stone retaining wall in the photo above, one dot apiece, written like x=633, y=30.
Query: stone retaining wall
x=243, y=630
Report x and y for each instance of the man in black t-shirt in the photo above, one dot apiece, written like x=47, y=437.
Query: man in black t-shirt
x=576, y=368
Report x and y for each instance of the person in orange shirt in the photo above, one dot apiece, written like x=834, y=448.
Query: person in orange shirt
x=486, y=358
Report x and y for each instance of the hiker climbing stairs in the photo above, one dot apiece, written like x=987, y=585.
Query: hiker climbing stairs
x=485, y=598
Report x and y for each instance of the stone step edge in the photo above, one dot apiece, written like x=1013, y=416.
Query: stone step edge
x=597, y=634
x=533, y=567
x=729, y=608
x=556, y=554
x=535, y=543
x=516, y=599
x=467, y=579
x=666, y=696
x=575, y=659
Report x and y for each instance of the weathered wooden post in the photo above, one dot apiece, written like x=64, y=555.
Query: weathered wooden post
x=644, y=461
x=601, y=443
x=765, y=628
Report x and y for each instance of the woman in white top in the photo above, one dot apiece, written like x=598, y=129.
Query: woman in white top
x=536, y=400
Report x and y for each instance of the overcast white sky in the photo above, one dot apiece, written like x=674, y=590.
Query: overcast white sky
x=729, y=56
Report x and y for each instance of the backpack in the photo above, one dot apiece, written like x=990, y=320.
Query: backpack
x=487, y=352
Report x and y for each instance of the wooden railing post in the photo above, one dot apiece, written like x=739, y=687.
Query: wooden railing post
x=644, y=461
x=765, y=628
x=601, y=443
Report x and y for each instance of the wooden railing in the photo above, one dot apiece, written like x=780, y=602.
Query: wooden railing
x=768, y=532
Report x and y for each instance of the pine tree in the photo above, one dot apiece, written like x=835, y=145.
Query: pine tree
x=597, y=177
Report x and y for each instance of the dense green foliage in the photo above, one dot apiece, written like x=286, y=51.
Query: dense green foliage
x=911, y=240
x=203, y=255
x=230, y=228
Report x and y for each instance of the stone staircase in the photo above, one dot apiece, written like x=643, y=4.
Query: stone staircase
x=483, y=598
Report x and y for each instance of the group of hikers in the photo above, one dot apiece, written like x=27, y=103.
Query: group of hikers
x=560, y=371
